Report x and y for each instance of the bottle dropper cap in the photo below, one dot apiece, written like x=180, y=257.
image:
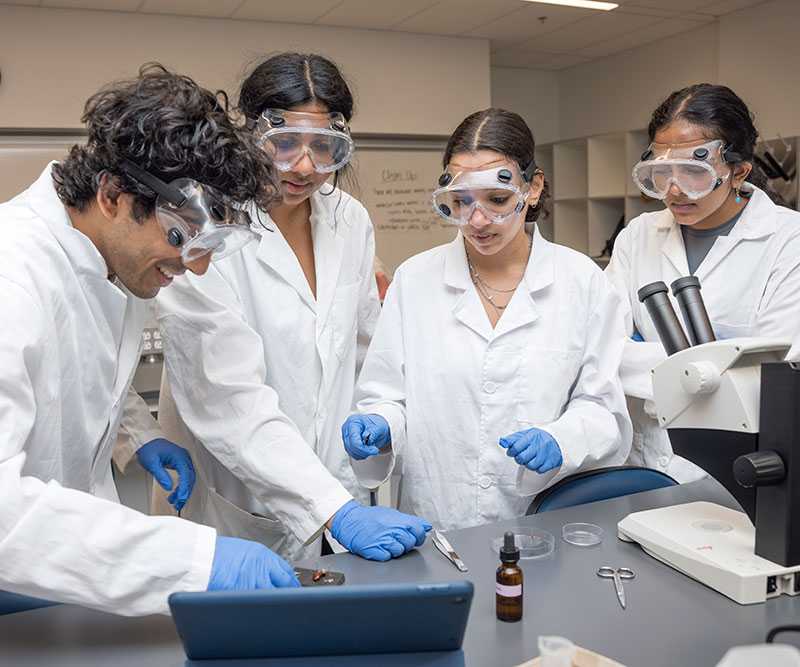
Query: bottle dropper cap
x=509, y=553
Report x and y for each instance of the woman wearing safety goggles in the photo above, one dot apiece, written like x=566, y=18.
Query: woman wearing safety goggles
x=719, y=225
x=493, y=372
x=273, y=338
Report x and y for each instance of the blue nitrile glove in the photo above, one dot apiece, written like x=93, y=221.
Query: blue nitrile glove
x=377, y=533
x=158, y=455
x=533, y=448
x=637, y=337
x=365, y=435
x=242, y=565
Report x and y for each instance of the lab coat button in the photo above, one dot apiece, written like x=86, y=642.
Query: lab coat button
x=489, y=387
x=484, y=482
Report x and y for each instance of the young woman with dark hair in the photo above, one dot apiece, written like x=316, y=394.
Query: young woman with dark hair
x=493, y=372
x=273, y=338
x=720, y=225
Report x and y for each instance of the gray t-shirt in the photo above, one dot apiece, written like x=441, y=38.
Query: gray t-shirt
x=699, y=241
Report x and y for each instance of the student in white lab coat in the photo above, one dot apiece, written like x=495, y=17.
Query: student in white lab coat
x=493, y=372
x=149, y=196
x=718, y=225
x=273, y=337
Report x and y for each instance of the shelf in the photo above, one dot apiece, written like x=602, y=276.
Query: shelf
x=636, y=143
x=784, y=152
x=635, y=206
x=592, y=186
x=603, y=218
x=606, y=160
x=570, y=169
x=570, y=226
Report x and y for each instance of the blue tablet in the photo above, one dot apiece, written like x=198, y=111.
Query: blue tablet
x=331, y=620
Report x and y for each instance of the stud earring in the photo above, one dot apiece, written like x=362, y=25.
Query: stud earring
x=738, y=192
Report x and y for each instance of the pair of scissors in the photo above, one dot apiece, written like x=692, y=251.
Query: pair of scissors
x=617, y=574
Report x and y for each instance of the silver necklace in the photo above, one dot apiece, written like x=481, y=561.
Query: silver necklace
x=482, y=286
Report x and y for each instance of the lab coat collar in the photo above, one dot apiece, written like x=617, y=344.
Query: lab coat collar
x=82, y=252
x=538, y=273
x=328, y=224
x=328, y=239
x=522, y=310
x=757, y=221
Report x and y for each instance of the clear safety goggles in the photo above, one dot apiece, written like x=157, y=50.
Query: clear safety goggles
x=499, y=193
x=695, y=170
x=290, y=135
x=195, y=217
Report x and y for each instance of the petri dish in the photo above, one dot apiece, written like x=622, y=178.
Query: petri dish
x=532, y=544
x=582, y=534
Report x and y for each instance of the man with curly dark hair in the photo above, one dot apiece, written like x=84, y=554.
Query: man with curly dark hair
x=159, y=187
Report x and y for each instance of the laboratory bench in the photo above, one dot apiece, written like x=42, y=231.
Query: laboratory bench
x=670, y=619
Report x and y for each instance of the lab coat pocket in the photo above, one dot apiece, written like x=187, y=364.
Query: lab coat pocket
x=344, y=318
x=546, y=377
x=232, y=521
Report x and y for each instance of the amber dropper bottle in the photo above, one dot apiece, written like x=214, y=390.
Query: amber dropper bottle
x=508, y=589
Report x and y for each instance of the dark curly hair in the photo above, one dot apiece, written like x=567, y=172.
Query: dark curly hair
x=172, y=128
x=504, y=132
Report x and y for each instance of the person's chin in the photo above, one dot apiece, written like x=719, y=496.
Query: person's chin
x=486, y=244
x=686, y=214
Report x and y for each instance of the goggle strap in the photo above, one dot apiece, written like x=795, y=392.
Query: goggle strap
x=529, y=171
x=172, y=194
x=731, y=156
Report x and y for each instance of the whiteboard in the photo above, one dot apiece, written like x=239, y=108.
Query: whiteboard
x=22, y=159
x=396, y=179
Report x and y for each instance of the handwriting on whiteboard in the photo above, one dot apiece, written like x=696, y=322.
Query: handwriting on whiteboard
x=403, y=204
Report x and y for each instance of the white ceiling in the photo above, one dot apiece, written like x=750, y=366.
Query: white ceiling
x=522, y=34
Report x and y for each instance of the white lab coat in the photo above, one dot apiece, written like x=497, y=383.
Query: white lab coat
x=263, y=374
x=68, y=351
x=450, y=386
x=750, y=283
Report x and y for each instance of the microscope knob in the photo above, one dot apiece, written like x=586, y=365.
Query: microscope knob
x=700, y=377
x=759, y=469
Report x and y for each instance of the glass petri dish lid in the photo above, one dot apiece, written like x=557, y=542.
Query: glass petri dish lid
x=582, y=534
x=532, y=544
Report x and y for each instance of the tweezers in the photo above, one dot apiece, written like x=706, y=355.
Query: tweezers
x=444, y=547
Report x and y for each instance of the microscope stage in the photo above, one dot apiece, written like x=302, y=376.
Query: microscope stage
x=712, y=544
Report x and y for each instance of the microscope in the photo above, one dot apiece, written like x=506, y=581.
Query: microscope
x=733, y=408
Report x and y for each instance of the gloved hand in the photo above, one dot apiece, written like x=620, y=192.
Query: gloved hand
x=158, y=455
x=637, y=337
x=242, y=565
x=377, y=533
x=533, y=448
x=365, y=435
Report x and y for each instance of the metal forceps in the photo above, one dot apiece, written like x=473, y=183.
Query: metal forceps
x=617, y=574
x=444, y=547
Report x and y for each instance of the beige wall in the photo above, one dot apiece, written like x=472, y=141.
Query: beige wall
x=755, y=51
x=759, y=58
x=620, y=92
x=52, y=60
x=531, y=93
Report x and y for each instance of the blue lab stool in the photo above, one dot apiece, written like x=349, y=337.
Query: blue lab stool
x=11, y=603
x=599, y=484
